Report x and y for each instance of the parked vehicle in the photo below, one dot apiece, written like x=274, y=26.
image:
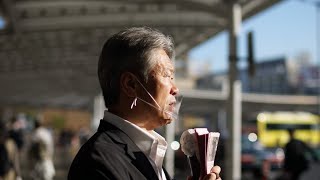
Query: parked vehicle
x=273, y=128
x=258, y=159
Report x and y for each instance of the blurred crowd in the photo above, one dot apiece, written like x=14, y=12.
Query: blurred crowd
x=28, y=148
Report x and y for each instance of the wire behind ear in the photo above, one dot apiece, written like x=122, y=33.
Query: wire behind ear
x=132, y=83
x=128, y=84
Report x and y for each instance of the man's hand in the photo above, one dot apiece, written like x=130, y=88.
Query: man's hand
x=214, y=175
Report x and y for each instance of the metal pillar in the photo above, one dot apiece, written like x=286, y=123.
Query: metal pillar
x=233, y=146
x=169, y=163
x=169, y=158
x=318, y=46
x=98, y=111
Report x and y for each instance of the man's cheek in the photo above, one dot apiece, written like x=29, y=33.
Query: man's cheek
x=165, y=81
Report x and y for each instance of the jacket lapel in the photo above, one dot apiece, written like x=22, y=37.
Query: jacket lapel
x=138, y=159
x=168, y=177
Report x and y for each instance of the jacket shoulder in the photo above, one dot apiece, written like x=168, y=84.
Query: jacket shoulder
x=102, y=157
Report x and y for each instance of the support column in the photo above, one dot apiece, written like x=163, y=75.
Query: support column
x=169, y=158
x=233, y=149
x=318, y=46
x=98, y=111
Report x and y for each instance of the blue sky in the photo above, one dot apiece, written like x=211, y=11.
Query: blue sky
x=286, y=29
x=1, y=22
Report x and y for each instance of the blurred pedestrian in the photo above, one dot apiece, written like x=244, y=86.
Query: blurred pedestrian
x=84, y=135
x=9, y=156
x=136, y=76
x=41, y=153
x=65, y=137
x=296, y=157
x=16, y=132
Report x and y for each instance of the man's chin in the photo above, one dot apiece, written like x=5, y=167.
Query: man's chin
x=167, y=121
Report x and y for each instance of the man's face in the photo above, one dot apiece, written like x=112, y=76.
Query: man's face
x=162, y=88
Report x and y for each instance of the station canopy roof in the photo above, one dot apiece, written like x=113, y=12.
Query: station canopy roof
x=49, y=49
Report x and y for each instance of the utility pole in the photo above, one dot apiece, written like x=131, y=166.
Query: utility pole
x=233, y=149
x=318, y=47
x=316, y=4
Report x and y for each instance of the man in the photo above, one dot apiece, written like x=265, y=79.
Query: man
x=296, y=152
x=136, y=77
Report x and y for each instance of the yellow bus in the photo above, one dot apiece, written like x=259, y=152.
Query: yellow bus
x=273, y=128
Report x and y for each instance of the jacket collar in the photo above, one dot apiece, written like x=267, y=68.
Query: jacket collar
x=132, y=151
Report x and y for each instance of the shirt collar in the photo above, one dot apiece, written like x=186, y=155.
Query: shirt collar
x=142, y=138
x=152, y=144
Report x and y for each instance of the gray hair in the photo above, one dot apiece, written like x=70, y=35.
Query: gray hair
x=129, y=50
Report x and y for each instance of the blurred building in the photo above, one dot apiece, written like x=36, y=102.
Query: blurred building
x=309, y=80
x=272, y=76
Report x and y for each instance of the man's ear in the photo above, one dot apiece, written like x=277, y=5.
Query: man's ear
x=128, y=84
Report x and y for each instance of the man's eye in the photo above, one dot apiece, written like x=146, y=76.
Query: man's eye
x=168, y=76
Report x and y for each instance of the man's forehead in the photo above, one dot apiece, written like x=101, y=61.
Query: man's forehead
x=168, y=65
x=163, y=62
x=164, y=66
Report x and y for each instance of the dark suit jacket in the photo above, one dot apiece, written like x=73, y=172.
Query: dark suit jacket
x=111, y=154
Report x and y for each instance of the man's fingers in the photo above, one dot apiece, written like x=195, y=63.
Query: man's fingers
x=217, y=176
x=216, y=169
x=214, y=174
x=211, y=176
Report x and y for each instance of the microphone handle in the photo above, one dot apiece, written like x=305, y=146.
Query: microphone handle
x=195, y=167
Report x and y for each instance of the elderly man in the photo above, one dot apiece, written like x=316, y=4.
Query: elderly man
x=136, y=76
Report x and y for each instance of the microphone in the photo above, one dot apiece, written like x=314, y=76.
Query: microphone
x=189, y=147
x=200, y=146
x=188, y=141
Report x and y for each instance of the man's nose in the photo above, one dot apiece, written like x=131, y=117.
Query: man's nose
x=174, y=90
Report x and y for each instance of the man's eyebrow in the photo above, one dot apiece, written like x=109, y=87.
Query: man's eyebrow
x=171, y=69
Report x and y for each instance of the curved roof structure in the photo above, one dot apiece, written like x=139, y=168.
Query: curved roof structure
x=49, y=48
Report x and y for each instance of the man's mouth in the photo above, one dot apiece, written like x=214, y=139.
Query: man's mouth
x=172, y=103
x=172, y=106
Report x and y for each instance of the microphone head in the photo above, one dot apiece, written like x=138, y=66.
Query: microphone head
x=188, y=141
